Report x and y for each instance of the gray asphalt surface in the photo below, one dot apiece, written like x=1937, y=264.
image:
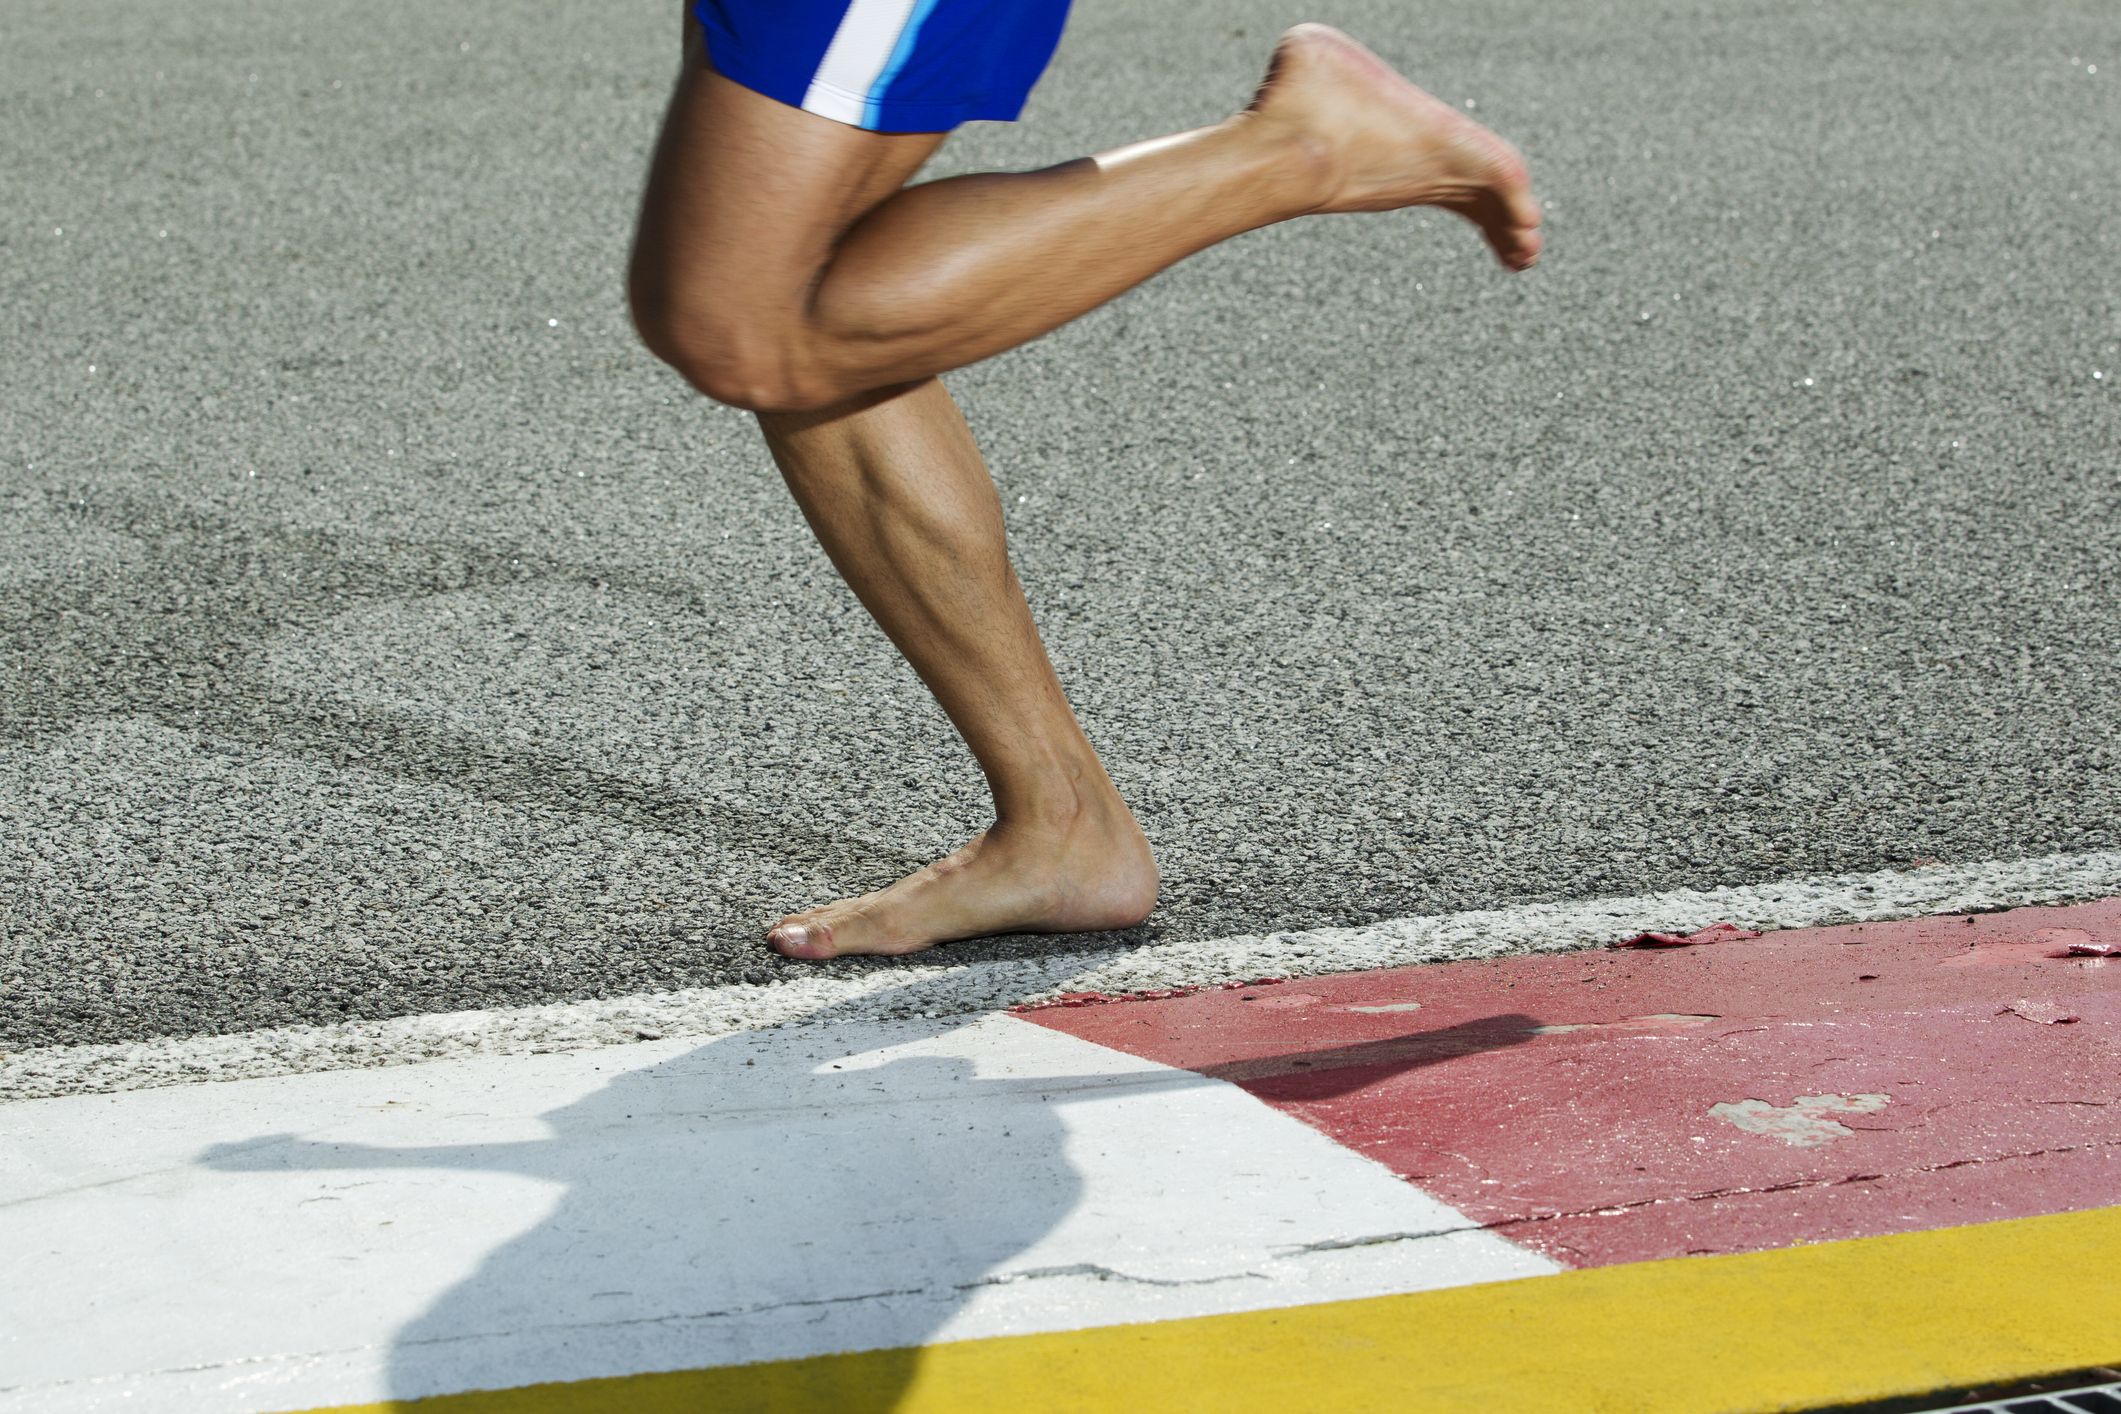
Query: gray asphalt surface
x=383, y=631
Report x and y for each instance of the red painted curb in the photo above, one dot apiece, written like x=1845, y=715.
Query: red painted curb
x=1614, y=1106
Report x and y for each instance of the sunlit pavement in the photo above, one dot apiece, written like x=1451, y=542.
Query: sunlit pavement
x=1747, y=1173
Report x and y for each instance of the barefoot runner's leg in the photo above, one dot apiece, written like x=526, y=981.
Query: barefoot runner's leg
x=782, y=265
x=898, y=494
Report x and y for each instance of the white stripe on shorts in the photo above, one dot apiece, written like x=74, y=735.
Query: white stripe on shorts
x=855, y=59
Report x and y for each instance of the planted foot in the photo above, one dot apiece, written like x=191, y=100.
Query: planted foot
x=1090, y=872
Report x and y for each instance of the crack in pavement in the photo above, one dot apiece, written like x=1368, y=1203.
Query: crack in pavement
x=1612, y=1209
x=1104, y=1273
x=1340, y=1244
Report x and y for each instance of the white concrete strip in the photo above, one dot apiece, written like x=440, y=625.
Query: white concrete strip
x=490, y=1222
x=933, y=986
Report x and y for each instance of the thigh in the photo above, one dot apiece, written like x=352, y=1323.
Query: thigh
x=747, y=196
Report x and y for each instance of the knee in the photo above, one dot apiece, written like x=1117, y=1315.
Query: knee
x=744, y=362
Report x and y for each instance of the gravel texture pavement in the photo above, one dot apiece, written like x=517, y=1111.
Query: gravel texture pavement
x=382, y=631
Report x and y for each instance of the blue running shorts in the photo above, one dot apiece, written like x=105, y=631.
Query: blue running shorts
x=891, y=66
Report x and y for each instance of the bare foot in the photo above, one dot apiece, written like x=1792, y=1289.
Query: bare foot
x=1093, y=872
x=1387, y=144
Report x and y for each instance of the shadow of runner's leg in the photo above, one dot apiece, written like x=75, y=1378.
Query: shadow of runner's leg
x=716, y=1213
x=763, y=1196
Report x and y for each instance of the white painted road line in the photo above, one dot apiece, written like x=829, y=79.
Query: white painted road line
x=934, y=986
x=494, y=1221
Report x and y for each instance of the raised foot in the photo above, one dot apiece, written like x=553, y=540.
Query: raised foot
x=1093, y=873
x=1385, y=144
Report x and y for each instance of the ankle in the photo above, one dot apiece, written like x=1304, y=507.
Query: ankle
x=1059, y=802
x=1295, y=164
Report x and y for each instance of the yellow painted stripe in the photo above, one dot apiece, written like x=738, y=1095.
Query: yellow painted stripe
x=1792, y=1329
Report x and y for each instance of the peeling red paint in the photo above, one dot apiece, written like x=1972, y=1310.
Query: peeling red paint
x=2047, y=1013
x=1575, y=1117
x=2010, y=952
x=1656, y=1021
x=1714, y=933
x=2075, y=942
x=1808, y=1120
